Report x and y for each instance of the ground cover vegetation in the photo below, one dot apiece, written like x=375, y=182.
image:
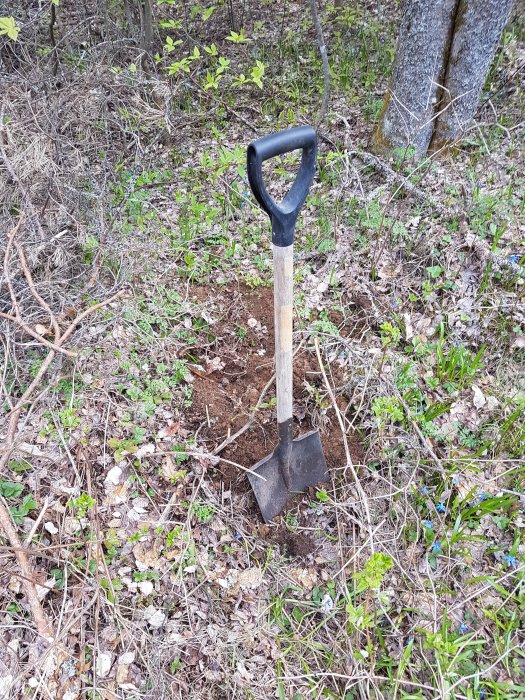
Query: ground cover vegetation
x=136, y=370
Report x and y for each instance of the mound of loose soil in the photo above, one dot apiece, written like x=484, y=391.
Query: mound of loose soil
x=223, y=401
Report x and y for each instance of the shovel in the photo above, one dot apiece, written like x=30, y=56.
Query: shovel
x=294, y=465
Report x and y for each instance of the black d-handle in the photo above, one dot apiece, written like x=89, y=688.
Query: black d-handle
x=284, y=215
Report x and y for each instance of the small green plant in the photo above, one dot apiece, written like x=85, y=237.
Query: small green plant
x=323, y=326
x=9, y=27
x=361, y=615
x=139, y=576
x=111, y=543
x=21, y=511
x=81, y=505
x=111, y=587
x=455, y=364
x=454, y=654
x=322, y=495
x=175, y=665
x=238, y=37
x=204, y=512
x=10, y=489
x=390, y=334
x=19, y=466
x=68, y=418
x=387, y=409
x=373, y=573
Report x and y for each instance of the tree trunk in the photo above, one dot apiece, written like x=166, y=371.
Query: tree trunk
x=444, y=51
x=419, y=67
x=477, y=31
x=147, y=26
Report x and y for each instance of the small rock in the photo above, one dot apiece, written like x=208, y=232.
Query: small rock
x=144, y=450
x=50, y=527
x=250, y=578
x=492, y=403
x=72, y=525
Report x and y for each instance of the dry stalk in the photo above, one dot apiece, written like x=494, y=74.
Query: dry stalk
x=349, y=462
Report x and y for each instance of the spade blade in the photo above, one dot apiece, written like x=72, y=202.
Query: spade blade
x=307, y=468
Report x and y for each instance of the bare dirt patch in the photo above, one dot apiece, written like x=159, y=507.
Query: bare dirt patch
x=223, y=402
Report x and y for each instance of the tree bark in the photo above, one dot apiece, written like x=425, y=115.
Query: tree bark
x=419, y=67
x=477, y=31
x=444, y=52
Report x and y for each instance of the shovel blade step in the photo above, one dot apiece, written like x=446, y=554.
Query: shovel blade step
x=307, y=468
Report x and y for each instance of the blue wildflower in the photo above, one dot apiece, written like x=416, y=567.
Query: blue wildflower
x=482, y=496
x=514, y=259
x=424, y=490
x=441, y=507
x=237, y=536
x=482, y=695
x=455, y=480
x=427, y=524
x=436, y=548
x=463, y=628
x=510, y=560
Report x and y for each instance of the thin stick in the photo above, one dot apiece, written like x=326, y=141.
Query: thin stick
x=34, y=292
x=27, y=329
x=349, y=462
x=206, y=455
x=42, y=623
x=420, y=435
x=324, y=59
x=248, y=423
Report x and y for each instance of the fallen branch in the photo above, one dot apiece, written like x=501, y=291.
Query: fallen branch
x=396, y=178
x=17, y=317
x=7, y=526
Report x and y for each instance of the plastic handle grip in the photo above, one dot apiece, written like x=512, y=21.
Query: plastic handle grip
x=284, y=215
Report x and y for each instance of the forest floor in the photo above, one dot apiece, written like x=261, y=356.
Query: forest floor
x=402, y=578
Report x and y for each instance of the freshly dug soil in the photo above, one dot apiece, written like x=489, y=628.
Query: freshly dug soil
x=223, y=400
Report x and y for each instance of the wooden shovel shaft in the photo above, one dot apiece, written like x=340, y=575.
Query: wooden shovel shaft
x=283, y=312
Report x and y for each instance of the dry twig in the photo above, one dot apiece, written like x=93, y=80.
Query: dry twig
x=349, y=462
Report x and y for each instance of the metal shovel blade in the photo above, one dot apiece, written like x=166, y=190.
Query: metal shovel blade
x=307, y=468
